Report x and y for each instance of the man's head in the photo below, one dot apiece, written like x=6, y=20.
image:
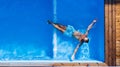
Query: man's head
x=86, y=39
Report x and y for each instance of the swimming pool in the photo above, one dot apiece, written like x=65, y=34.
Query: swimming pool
x=25, y=34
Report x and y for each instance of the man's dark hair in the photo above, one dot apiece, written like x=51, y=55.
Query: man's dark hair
x=87, y=41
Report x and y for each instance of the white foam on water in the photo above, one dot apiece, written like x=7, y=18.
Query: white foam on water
x=64, y=49
x=54, y=44
x=54, y=32
x=84, y=52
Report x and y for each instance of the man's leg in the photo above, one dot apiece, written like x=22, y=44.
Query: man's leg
x=58, y=26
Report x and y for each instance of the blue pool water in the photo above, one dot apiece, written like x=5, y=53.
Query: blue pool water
x=25, y=34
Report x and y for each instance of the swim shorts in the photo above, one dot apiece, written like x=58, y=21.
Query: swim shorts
x=69, y=31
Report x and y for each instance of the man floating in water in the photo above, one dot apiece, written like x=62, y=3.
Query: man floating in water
x=71, y=32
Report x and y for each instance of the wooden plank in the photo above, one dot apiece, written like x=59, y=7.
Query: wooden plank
x=117, y=28
x=118, y=41
x=118, y=62
x=117, y=33
x=110, y=32
x=102, y=64
x=63, y=64
x=106, y=31
x=117, y=56
x=117, y=18
x=79, y=64
x=76, y=64
x=118, y=51
x=93, y=64
x=84, y=64
x=118, y=38
x=114, y=32
x=117, y=23
x=118, y=46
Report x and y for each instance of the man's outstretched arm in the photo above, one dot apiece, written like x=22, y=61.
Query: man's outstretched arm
x=75, y=51
x=49, y=22
x=90, y=26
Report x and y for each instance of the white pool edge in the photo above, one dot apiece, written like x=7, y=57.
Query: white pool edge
x=40, y=63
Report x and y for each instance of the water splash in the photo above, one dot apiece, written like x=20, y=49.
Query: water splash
x=84, y=52
x=63, y=49
x=54, y=32
x=17, y=51
x=54, y=44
